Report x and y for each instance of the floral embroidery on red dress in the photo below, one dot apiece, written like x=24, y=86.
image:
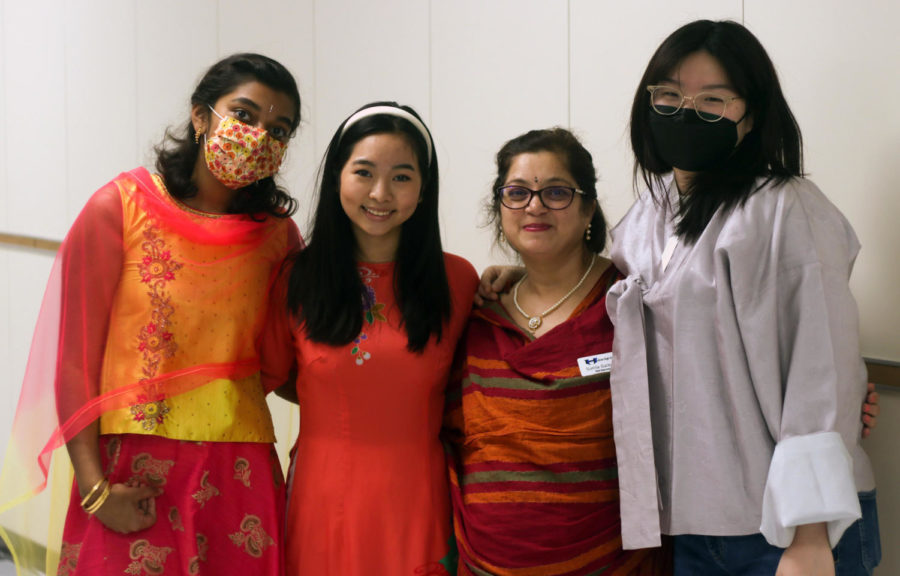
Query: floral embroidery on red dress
x=68, y=559
x=202, y=549
x=147, y=558
x=372, y=310
x=242, y=471
x=207, y=491
x=252, y=536
x=155, y=341
x=175, y=519
x=150, y=470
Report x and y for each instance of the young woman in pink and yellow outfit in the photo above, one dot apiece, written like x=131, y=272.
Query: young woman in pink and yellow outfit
x=144, y=362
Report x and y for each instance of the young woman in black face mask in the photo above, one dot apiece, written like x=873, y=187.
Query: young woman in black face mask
x=737, y=293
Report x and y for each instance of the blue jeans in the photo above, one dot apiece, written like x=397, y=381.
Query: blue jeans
x=856, y=554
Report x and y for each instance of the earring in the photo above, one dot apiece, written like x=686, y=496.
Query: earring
x=502, y=238
x=196, y=136
x=587, y=233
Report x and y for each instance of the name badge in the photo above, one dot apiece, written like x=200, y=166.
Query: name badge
x=596, y=364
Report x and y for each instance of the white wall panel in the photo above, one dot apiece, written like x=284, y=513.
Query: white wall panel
x=4, y=185
x=288, y=35
x=101, y=95
x=20, y=294
x=498, y=69
x=9, y=387
x=174, y=45
x=368, y=51
x=838, y=67
x=612, y=42
x=34, y=84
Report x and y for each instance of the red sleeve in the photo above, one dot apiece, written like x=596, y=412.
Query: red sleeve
x=276, y=344
x=91, y=260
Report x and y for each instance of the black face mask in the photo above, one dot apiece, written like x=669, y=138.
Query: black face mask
x=688, y=143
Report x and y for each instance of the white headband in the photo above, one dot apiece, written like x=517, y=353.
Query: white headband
x=390, y=111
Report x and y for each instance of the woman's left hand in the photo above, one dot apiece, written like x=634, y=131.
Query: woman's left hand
x=809, y=554
x=870, y=411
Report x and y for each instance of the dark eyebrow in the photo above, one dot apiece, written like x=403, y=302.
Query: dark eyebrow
x=556, y=180
x=246, y=102
x=364, y=162
x=251, y=104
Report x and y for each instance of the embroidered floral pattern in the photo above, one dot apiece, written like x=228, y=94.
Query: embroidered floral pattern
x=151, y=470
x=175, y=519
x=242, y=471
x=361, y=355
x=157, y=268
x=68, y=559
x=372, y=311
x=147, y=558
x=252, y=536
x=202, y=549
x=207, y=491
x=150, y=413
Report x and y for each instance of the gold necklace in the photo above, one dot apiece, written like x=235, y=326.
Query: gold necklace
x=534, y=322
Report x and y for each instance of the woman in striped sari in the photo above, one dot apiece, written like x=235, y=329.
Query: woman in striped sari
x=529, y=420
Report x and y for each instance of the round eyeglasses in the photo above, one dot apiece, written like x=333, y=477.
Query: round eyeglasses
x=552, y=197
x=709, y=106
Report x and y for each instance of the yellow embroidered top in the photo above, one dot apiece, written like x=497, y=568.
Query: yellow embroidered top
x=184, y=307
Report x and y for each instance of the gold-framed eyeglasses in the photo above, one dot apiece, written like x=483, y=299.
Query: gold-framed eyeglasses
x=552, y=197
x=709, y=106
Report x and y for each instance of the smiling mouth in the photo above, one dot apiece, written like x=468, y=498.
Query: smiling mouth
x=378, y=213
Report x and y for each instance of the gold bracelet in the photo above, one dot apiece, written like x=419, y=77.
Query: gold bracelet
x=100, y=500
x=90, y=493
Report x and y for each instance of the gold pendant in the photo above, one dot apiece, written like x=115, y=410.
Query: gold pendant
x=534, y=323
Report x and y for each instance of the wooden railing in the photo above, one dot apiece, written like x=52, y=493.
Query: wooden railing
x=29, y=242
x=883, y=372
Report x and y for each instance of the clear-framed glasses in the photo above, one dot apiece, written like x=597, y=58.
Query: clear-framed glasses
x=709, y=106
x=552, y=197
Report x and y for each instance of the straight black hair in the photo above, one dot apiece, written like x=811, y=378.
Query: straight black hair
x=772, y=149
x=325, y=290
x=577, y=160
x=177, y=154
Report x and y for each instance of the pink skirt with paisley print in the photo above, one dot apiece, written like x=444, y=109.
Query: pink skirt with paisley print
x=221, y=512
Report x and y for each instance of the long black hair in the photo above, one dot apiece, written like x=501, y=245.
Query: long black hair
x=772, y=149
x=325, y=290
x=577, y=160
x=176, y=155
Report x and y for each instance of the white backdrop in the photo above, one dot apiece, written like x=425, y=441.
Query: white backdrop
x=88, y=86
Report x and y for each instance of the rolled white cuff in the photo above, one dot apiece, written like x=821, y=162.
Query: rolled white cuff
x=810, y=480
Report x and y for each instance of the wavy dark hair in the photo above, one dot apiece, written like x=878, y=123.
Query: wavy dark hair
x=176, y=155
x=577, y=160
x=325, y=290
x=772, y=149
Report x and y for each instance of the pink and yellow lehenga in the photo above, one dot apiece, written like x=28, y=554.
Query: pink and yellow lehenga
x=150, y=323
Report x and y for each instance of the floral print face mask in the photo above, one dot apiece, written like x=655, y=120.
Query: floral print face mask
x=239, y=154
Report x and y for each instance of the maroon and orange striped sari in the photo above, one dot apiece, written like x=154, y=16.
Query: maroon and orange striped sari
x=533, y=463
